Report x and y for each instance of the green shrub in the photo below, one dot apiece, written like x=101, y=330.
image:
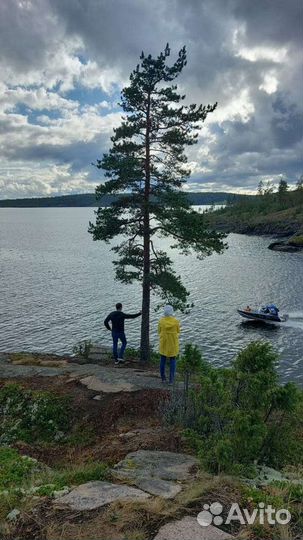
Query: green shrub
x=14, y=469
x=241, y=415
x=83, y=348
x=32, y=416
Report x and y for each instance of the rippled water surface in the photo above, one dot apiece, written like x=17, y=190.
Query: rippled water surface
x=57, y=286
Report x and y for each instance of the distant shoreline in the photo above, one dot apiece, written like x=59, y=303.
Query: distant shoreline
x=89, y=200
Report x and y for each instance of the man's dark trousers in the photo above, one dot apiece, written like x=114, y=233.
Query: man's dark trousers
x=116, y=337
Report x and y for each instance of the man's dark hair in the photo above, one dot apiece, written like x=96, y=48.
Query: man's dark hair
x=119, y=305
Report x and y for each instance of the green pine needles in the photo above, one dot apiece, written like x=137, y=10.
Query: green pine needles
x=147, y=167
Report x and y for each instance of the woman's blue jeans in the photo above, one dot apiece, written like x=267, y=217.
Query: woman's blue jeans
x=172, y=368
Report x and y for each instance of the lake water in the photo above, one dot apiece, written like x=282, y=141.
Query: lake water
x=57, y=286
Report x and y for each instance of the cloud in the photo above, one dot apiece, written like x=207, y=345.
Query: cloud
x=63, y=63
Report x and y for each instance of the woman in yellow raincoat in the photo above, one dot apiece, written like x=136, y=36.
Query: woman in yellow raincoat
x=169, y=331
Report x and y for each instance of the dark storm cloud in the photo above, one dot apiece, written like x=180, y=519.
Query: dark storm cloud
x=270, y=21
x=286, y=123
x=244, y=54
x=27, y=32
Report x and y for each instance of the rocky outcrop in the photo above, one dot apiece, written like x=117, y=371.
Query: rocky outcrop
x=159, y=473
x=96, y=494
x=292, y=244
x=284, y=246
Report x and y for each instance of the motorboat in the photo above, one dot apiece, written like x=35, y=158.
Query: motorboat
x=267, y=314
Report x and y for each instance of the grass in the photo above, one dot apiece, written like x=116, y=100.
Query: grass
x=134, y=355
x=28, y=359
x=15, y=469
x=16, y=474
x=73, y=475
x=21, y=478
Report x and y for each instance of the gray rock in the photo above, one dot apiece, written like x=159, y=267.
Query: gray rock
x=13, y=515
x=284, y=246
x=128, y=434
x=95, y=383
x=96, y=494
x=111, y=379
x=266, y=475
x=156, y=471
x=150, y=464
x=189, y=528
x=158, y=487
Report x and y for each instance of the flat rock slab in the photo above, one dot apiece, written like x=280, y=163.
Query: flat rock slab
x=156, y=464
x=95, y=383
x=158, y=487
x=104, y=378
x=96, y=494
x=189, y=528
x=156, y=472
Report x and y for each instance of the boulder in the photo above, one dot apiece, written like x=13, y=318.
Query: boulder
x=96, y=494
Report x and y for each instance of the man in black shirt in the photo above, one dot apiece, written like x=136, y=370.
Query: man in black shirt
x=117, y=319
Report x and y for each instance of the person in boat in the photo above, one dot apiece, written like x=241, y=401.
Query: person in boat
x=117, y=319
x=248, y=308
x=169, y=332
x=273, y=310
x=270, y=309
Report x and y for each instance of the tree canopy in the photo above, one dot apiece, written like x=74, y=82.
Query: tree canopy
x=147, y=163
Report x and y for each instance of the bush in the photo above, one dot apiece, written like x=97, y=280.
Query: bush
x=14, y=469
x=83, y=348
x=32, y=416
x=241, y=415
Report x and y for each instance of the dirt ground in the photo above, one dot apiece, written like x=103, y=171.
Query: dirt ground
x=105, y=422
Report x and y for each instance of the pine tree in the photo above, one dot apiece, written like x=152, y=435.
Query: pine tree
x=299, y=185
x=261, y=188
x=283, y=187
x=146, y=167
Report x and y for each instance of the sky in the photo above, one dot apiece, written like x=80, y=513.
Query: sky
x=63, y=64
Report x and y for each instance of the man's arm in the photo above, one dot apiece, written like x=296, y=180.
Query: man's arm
x=108, y=318
x=129, y=316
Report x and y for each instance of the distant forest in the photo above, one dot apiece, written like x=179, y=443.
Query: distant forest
x=89, y=199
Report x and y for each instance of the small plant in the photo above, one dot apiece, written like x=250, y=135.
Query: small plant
x=180, y=407
x=83, y=348
x=132, y=354
x=191, y=364
x=14, y=469
x=32, y=416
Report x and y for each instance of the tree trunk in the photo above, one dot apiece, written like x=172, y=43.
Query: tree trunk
x=145, y=348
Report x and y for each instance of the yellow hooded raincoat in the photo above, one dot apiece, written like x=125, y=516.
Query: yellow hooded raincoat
x=169, y=331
